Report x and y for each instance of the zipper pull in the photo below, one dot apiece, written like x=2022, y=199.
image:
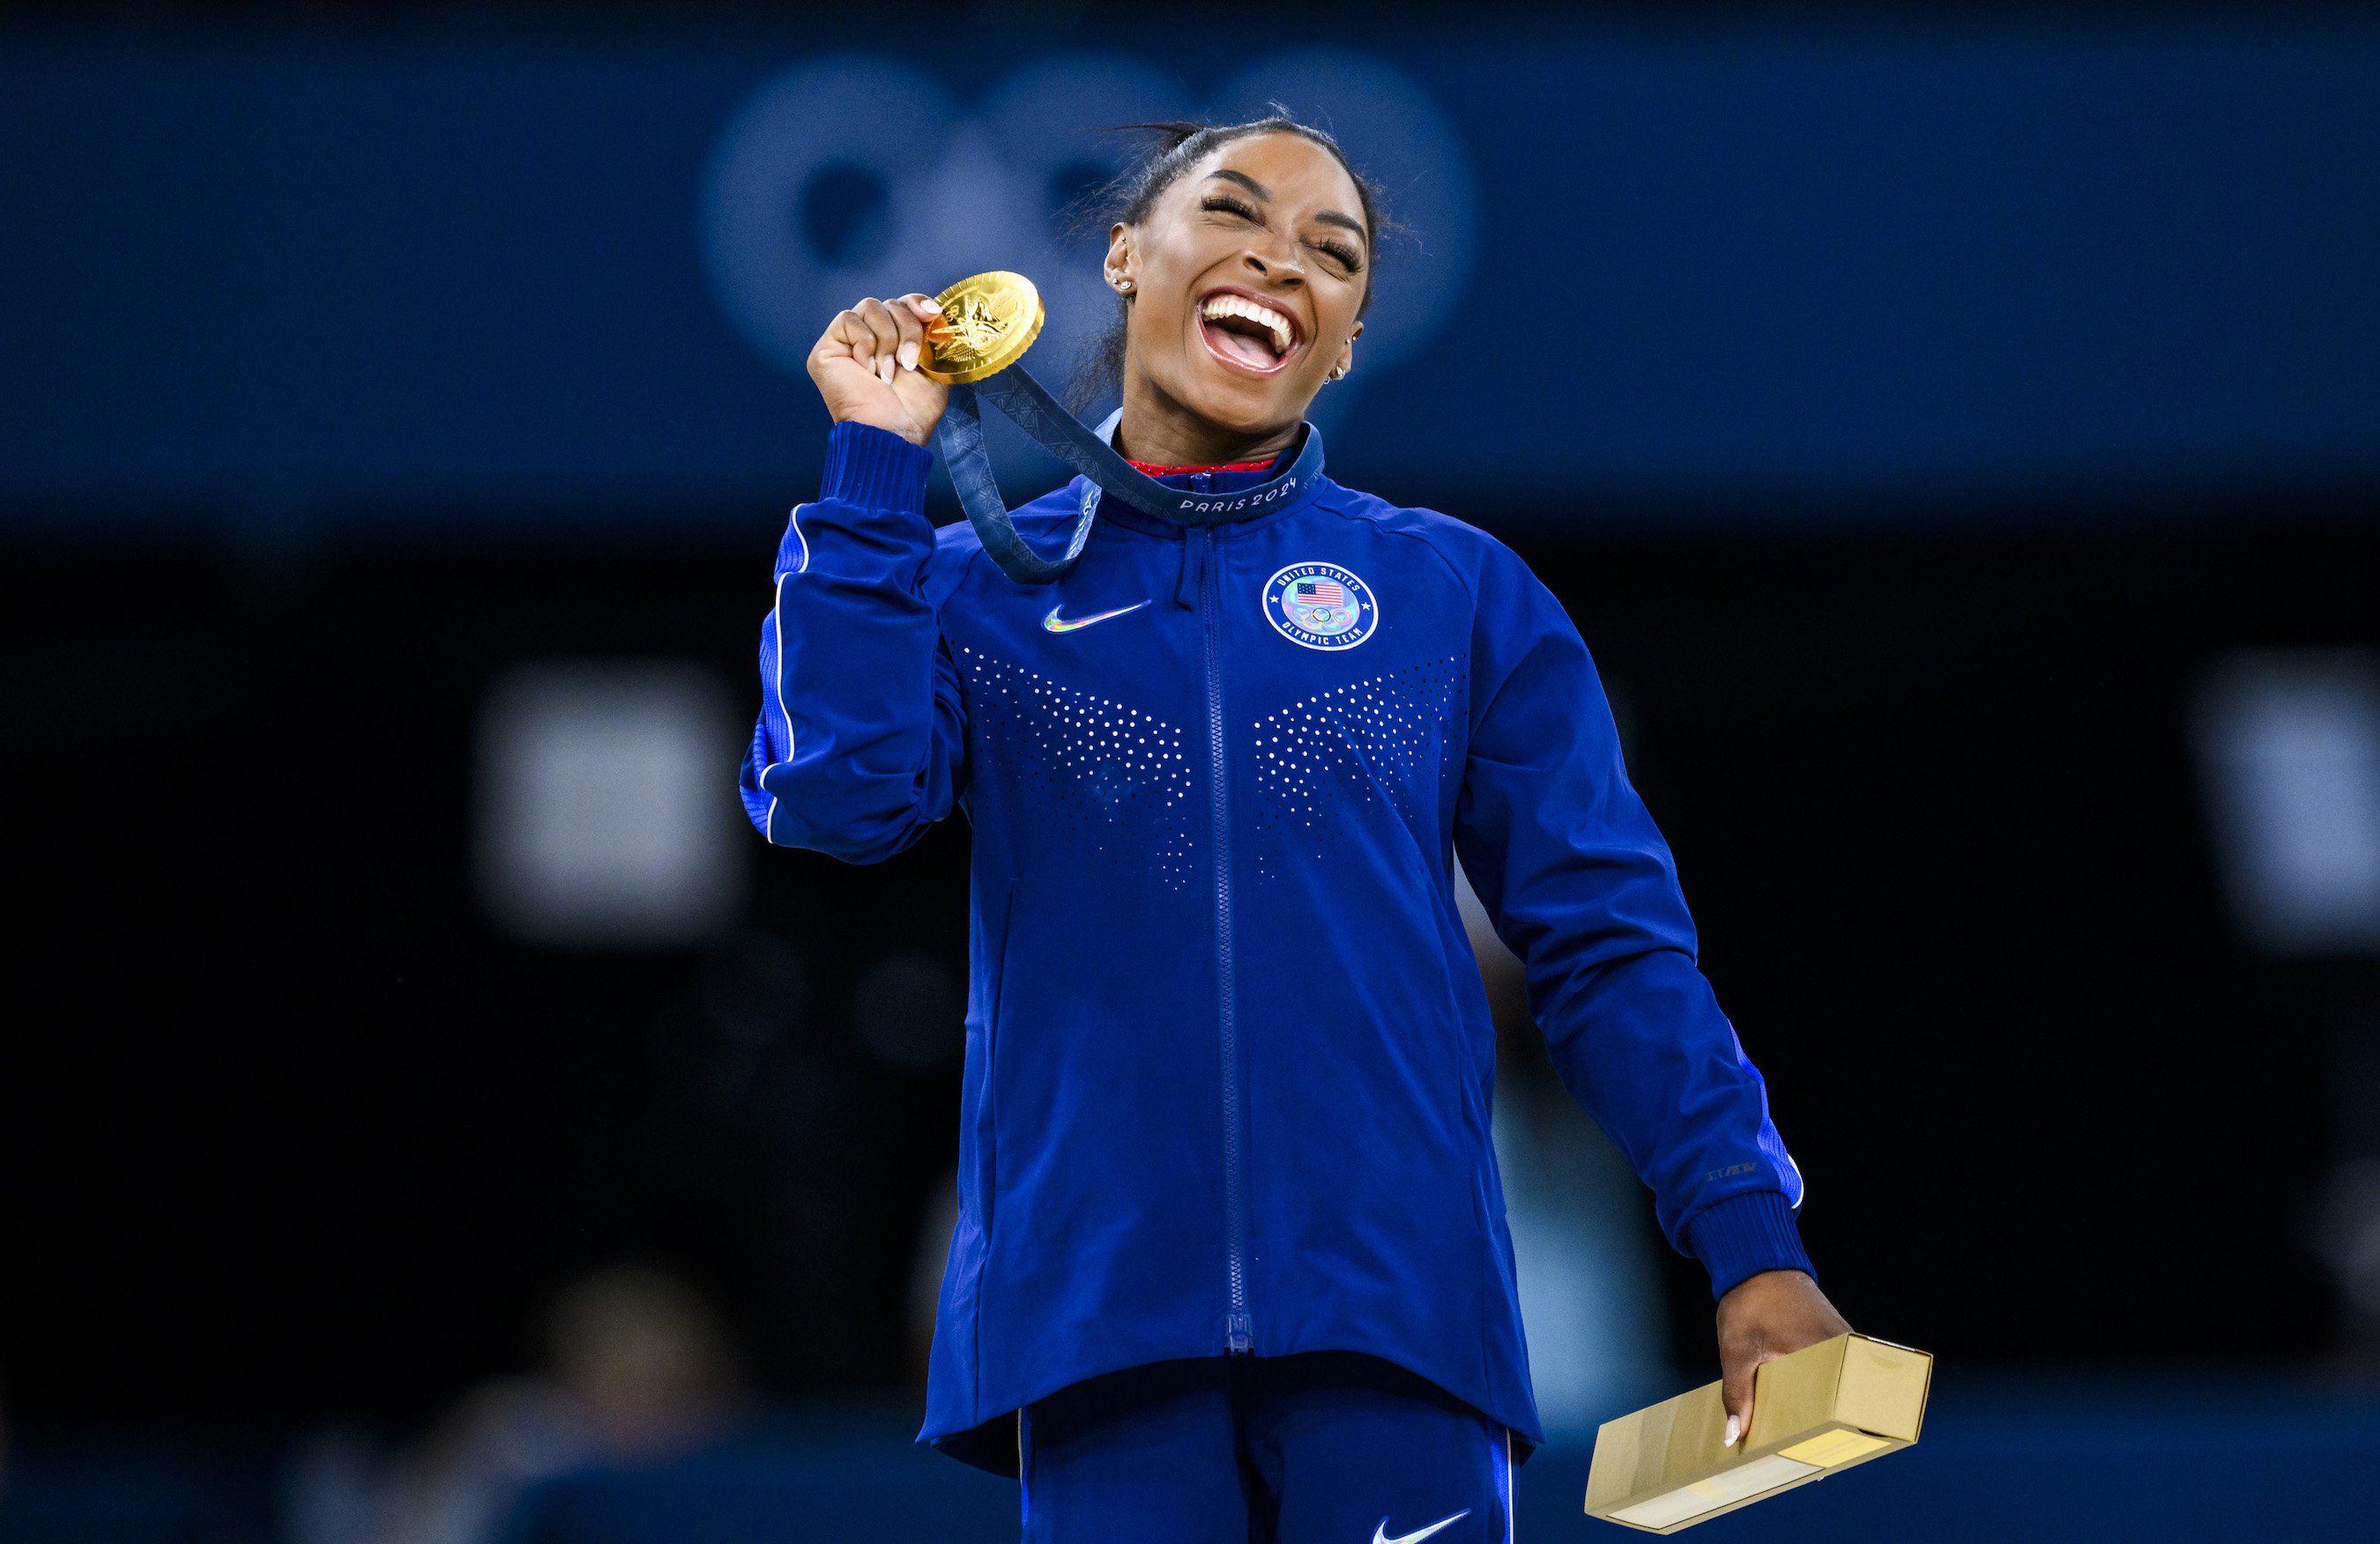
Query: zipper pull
x=1240, y=1337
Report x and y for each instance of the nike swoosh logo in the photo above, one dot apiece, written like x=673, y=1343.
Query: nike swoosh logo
x=1380, y=1534
x=1053, y=622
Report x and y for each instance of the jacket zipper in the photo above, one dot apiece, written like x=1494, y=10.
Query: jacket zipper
x=1239, y=1335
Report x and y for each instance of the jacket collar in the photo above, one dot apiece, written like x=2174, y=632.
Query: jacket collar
x=1229, y=498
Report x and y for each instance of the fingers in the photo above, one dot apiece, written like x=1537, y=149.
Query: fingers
x=884, y=336
x=867, y=363
x=1762, y=1318
x=921, y=321
x=848, y=336
x=883, y=345
x=1738, y=1378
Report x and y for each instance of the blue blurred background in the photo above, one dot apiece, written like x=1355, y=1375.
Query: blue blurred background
x=427, y=1115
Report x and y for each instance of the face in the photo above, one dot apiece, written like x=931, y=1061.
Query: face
x=1246, y=280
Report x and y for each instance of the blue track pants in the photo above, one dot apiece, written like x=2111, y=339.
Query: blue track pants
x=1324, y=1448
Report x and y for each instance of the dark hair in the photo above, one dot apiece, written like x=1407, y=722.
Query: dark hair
x=1173, y=149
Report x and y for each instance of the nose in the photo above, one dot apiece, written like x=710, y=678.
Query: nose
x=1280, y=267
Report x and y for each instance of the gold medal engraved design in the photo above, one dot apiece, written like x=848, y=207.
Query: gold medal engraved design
x=988, y=323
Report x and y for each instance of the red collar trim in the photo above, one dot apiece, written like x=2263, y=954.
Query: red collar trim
x=1149, y=469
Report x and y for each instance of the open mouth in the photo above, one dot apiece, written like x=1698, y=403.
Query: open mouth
x=1245, y=331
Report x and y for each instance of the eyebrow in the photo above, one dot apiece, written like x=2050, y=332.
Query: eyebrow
x=1332, y=217
x=1327, y=217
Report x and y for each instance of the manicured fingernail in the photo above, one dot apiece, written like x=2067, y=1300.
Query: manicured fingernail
x=908, y=356
x=1734, y=1430
x=884, y=369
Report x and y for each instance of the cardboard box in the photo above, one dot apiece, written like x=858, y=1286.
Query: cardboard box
x=1815, y=1412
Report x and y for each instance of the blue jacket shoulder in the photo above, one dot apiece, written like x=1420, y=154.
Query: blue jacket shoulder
x=1045, y=523
x=1470, y=552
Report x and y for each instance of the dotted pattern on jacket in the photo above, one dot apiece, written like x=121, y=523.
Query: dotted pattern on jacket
x=1107, y=780
x=1388, y=745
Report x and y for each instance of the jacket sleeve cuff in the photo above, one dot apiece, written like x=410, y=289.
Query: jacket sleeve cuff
x=1745, y=1235
x=872, y=468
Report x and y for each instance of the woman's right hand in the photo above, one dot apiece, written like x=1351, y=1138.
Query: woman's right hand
x=866, y=367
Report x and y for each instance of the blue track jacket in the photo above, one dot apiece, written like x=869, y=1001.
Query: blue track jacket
x=1227, y=1055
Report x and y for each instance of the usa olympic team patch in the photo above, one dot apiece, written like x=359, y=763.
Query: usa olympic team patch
x=1321, y=606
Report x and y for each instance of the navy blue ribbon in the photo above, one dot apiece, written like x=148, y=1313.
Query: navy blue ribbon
x=959, y=436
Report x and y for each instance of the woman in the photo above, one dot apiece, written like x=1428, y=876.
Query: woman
x=1231, y=1259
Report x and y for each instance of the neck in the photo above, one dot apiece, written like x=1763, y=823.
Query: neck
x=1160, y=431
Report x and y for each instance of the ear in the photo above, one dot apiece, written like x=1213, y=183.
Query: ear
x=1346, y=360
x=1118, y=263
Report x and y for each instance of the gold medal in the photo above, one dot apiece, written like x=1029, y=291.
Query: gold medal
x=988, y=323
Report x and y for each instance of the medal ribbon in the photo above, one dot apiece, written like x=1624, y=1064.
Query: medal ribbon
x=959, y=436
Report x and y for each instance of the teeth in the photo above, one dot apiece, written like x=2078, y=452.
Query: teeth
x=1264, y=316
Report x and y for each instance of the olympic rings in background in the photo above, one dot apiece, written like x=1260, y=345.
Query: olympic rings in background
x=857, y=175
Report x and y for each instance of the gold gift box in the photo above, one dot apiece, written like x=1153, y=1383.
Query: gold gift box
x=1814, y=1413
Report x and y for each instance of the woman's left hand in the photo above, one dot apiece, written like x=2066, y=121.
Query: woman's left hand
x=1761, y=1319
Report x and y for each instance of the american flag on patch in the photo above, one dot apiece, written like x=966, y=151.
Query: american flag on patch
x=1320, y=592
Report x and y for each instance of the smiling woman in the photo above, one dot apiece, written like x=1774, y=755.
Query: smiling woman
x=1259, y=241
x=1231, y=1259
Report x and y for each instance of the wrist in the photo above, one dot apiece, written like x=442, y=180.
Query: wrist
x=906, y=428
x=1745, y=1235
x=1780, y=1275
x=871, y=467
